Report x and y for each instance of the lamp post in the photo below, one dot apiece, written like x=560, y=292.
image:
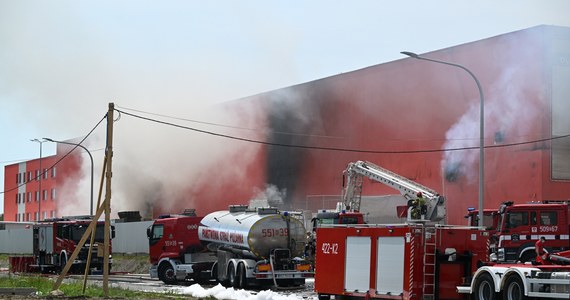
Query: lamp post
x=41, y=173
x=90, y=156
x=481, y=126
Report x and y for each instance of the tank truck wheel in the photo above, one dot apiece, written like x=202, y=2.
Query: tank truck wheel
x=241, y=277
x=514, y=289
x=232, y=282
x=485, y=288
x=166, y=273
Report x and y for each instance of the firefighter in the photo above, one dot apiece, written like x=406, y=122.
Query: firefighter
x=541, y=252
x=418, y=206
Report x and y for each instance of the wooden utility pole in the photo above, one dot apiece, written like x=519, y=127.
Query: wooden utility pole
x=93, y=232
x=105, y=207
x=107, y=202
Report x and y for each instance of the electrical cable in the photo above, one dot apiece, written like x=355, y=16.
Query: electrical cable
x=333, y=148
x=57, y=162
x=229, y=126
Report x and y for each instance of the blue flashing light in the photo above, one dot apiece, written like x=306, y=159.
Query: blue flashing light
x=286, y=213
x=470, y=208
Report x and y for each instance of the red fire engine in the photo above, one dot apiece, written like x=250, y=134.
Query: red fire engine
x=55, y=240
x=417, y=261
x=423, y=260
x=516, y=227
x=396, y=261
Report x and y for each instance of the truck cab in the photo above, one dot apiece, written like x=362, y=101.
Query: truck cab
x=173, y=244
x=490, y=218
x=521, y=225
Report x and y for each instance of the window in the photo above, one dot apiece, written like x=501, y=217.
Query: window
x=37, y=195
x=29, y=196
x=17, y=198
x=27, y=216
x=548, y=218
x=560, y=93
x=18, y=178
x=53, y=214
x=37, y=174
x=45, y=173
x=533, y=218
x=44, y=196
x=52, y=194
x=519, y=218
x=37, y=215
x=29, y=176
x=45, y=215
x=53, y=172
x=155, y=233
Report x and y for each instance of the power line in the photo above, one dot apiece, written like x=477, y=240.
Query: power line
x=333, y=148
x=290, y=133
x=227, y=126
x=42, y=172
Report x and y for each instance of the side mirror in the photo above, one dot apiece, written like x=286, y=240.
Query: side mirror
x=112, y=232
x=148, y=232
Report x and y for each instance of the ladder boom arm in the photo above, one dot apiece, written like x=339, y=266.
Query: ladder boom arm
x=408, y=188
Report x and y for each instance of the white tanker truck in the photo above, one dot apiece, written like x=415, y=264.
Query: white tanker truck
x=238, y=247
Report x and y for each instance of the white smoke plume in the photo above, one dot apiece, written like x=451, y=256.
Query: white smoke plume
x=507, y=115
x=270, y=196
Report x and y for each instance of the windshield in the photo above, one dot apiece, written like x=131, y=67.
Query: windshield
x=77, y=232
x=155, y=233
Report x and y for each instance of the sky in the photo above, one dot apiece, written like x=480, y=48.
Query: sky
x=62, y=62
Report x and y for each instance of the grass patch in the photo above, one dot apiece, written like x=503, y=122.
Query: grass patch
x=4, y=260
x=75, y=289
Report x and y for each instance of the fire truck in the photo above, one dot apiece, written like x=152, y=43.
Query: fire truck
x=516, y=227
x=238, y=247
x=421, y=259
x=54, y=240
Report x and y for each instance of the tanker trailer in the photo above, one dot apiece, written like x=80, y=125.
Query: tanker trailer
x=258, y=247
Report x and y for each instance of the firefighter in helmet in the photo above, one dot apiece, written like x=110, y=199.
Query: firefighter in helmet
x=418, y=206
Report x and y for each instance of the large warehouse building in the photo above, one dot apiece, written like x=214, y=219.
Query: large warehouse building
x=421, y=120
x=417, y=118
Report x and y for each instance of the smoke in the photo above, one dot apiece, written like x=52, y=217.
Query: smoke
x=270, y=196
x=508, y=117
x=293, y=115
x=63, y=90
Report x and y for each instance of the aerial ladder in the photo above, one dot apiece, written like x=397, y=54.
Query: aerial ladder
x=352, y=190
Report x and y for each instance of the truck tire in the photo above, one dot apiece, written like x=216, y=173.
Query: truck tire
x=323, y=297
x=232, y=276
x=62, y=262
x=527, y=256
x=241, y=277
x=514, y=289
x=166, y=273
x=485, y=288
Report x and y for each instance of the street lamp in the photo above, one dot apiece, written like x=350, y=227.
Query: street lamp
x=90, y=156
x=481, y=127
x=40, y=179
